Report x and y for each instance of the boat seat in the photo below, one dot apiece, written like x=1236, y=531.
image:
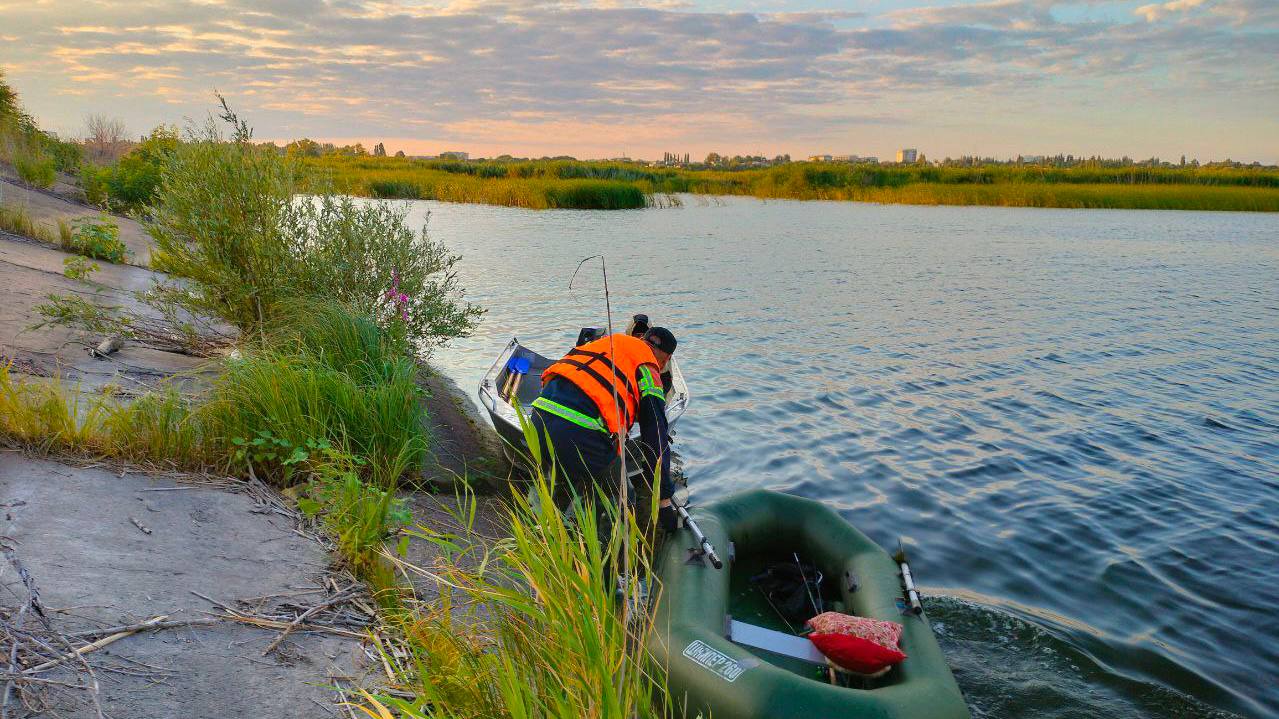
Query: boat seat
x=771, y=640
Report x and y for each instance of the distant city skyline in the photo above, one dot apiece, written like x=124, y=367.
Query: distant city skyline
x=603, y=78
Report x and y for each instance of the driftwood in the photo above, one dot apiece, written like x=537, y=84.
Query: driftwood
x=96, y=645
x=108, y=346
x=26, y=642
x=346, y=596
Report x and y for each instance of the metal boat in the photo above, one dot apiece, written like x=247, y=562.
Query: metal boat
x=516, y=378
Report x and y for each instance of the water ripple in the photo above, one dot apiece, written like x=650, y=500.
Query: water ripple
x=1071, y=417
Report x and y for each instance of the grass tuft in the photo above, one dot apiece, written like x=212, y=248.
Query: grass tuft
x=16, y=219
x=532, y=626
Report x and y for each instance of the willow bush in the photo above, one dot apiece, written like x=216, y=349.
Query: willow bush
x=226, y=221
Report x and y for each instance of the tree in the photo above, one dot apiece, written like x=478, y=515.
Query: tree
x=379, y=150
x=105, y=138
x=714, y=159
x=305, y=147
x=8, y=99
x=399, y=153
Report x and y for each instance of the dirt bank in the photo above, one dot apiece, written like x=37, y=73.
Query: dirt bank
x=47, y=207
x=106, y=549
x=29, y=273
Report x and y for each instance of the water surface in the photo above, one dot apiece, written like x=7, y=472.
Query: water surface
x=1070, y=417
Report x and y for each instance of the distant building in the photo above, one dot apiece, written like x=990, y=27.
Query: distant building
x=857, y=159
x=1032, y=159
x=908, y=155
x=819, y=158
x=454, y=155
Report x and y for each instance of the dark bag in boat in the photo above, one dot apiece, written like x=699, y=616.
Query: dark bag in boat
x=792, y=589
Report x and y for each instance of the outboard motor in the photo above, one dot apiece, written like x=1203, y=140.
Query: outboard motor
x=589, y=334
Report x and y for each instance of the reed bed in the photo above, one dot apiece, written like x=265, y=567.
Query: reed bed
x=1134, y=197
x=608, y=185
x=535, y=194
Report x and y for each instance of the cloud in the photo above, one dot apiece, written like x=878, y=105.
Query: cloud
x=548, y=72
x=1156, y=11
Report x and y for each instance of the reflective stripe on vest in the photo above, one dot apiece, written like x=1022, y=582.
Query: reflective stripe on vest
x=605, y=370
x=648, y=387
x=569, y=414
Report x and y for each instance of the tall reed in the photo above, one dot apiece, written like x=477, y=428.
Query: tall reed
x=533, y=625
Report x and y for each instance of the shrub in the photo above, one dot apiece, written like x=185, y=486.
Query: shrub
x=78, y=268
x=66, y=156
x=35, y=169
x=226, y=220
x=93, y=180
x=132, y=183
x=99, y=239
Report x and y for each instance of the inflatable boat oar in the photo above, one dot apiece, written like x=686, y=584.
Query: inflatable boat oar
x=708, y=549
x=908, y=581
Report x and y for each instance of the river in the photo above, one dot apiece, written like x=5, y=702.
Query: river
x=1070, y=417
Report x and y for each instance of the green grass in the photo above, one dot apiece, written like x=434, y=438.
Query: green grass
x=611, y=185
x=293, y=400
x=330, y=403
x=531, y=626
x=276, y=411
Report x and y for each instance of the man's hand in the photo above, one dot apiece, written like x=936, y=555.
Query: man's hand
x=667, y=518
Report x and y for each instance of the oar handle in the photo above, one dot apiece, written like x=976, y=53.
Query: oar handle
x=707, y=548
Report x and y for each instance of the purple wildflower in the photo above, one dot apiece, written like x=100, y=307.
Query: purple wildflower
x=397, y=298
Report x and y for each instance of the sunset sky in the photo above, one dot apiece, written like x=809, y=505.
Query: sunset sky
x=606, y=78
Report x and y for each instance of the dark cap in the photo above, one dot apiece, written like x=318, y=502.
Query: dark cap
x=661, y=338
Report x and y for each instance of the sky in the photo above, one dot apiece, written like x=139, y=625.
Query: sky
x=607, y=78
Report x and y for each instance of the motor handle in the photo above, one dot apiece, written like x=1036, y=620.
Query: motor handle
x=707, y=548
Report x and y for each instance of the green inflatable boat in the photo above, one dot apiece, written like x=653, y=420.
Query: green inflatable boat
x=730, y=650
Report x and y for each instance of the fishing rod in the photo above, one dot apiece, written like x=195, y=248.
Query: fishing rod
x=707, y=548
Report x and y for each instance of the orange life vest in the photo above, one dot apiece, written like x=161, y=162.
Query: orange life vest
x=590, y=368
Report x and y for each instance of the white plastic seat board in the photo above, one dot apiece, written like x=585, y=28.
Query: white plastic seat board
x=774, y=641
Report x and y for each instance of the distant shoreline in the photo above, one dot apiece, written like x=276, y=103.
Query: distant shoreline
x=571, y=184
